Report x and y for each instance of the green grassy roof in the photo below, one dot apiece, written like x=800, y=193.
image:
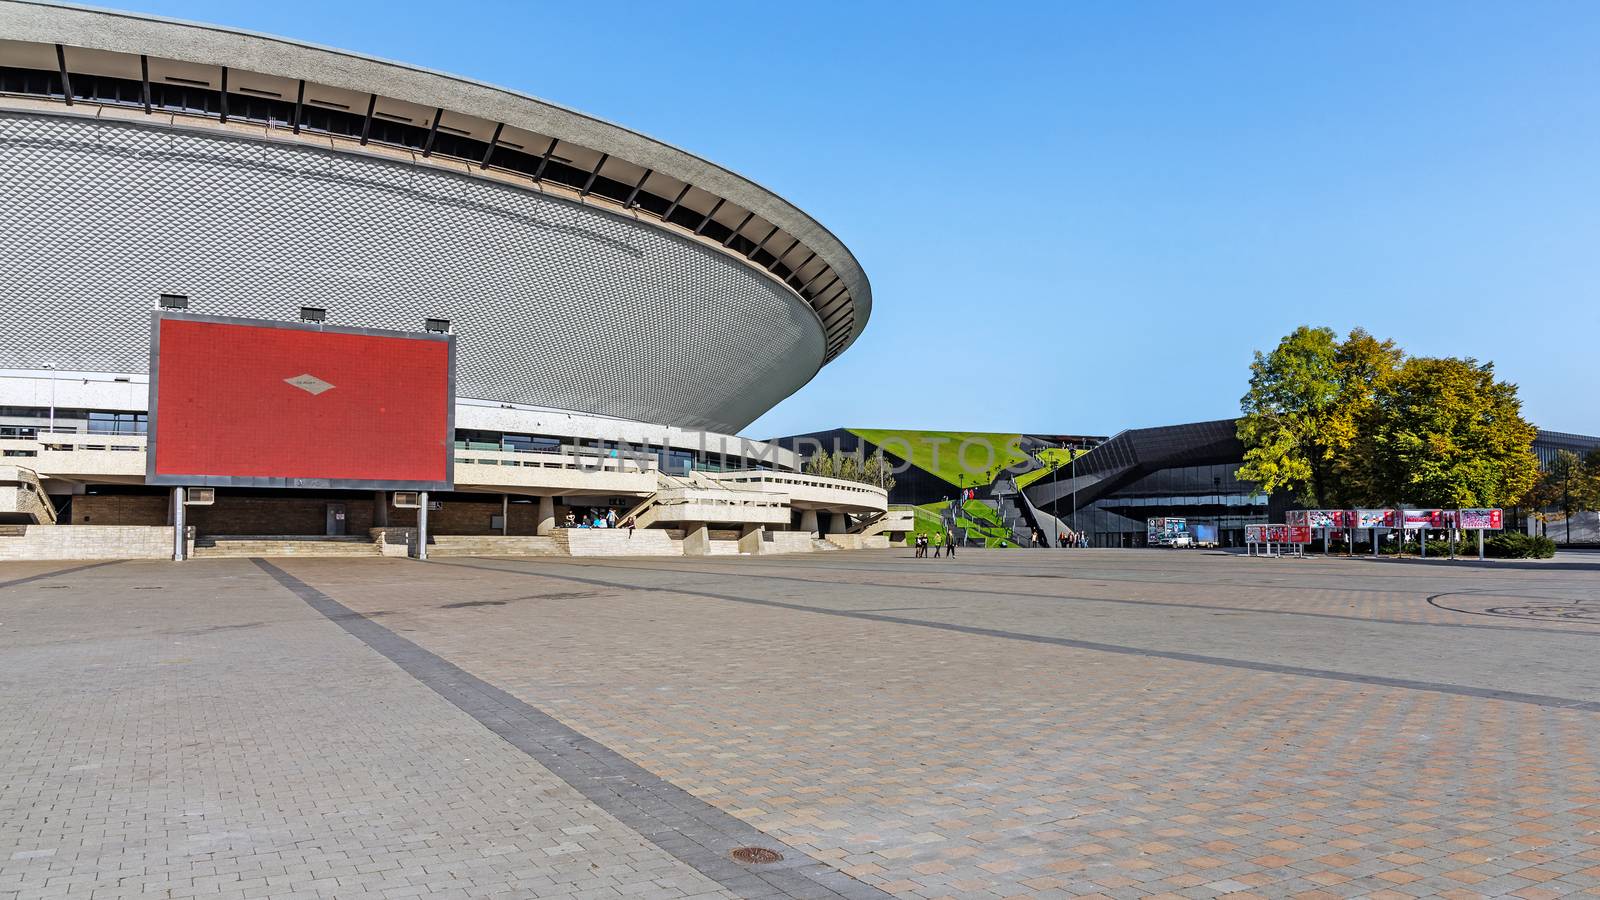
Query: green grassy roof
x=964, y=458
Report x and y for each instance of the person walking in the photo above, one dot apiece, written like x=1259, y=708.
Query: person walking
x=949, y=542
x=628, y=523
x=611, y=518
x=918, y=543
x=937, y=544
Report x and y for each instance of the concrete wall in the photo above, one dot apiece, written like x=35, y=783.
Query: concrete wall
x=120, y=509
x=22, y=497
x=298, y=515
x=69, y=542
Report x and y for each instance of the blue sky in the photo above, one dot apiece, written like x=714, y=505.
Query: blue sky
x=1081, y=217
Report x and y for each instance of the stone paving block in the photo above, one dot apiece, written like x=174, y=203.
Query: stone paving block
x=1005, y=724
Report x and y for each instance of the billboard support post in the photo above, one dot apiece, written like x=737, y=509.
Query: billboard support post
x=1480, y=544
x=422, y=525
x=179, y=528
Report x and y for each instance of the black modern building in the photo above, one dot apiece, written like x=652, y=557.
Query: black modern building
x=1191, y=471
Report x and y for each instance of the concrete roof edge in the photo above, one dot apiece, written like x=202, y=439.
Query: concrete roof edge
x=89, y=27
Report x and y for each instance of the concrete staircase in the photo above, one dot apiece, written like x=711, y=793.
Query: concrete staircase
x=241, y=546
x=616, y=542
x=493, y=545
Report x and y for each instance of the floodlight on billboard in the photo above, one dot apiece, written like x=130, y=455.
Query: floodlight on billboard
x=244, y=402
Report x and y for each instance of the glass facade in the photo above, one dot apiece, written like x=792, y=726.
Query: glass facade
x=1204, y=494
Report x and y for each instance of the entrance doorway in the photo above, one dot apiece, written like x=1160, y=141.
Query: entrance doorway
x=336, y=519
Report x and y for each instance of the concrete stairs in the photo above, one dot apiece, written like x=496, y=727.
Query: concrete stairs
x=788, y=542
x=493, y=545
x=242, y=546
x=857, y=541
x=616, y=542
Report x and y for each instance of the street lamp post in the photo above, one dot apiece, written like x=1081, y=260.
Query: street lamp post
x=52, y=368
x=1073, y=451
x=1055, y=505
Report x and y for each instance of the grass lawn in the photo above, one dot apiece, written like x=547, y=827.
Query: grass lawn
x=1053, y=458
x=962, y=458
x=979, y=521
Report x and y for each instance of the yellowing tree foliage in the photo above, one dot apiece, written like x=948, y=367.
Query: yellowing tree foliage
x=1355, y=423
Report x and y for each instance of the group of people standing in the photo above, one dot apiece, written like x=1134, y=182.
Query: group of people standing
x=946, y=540
x=1066, y=539
x=597, y=519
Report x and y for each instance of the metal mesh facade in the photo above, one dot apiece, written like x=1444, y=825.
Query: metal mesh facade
x=553, y=303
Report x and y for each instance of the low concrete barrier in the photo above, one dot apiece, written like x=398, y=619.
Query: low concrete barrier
x=69, y=542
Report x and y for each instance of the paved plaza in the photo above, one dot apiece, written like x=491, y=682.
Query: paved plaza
x=1007, y=723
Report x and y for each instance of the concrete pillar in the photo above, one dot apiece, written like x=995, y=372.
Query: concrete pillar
x=505, y=514
x=179, y=529
x=547, y=515
x=808, y=520
x=422, y=525
x=751, y=537
x=380, y=509
x=696, y=539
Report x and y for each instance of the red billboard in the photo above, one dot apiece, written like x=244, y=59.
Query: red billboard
x=276, y=404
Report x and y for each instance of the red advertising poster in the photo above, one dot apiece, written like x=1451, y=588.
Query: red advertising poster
x=1491, y=519
x=270, y=404
x=1374, y=518
x=1422, y=518
x=1299, y=534
x=1277, y=534
x=1320, y=518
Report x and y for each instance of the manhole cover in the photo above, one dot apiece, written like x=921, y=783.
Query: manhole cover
x=756, y=855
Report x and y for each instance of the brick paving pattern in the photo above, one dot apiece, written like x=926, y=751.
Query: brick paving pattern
x=1087, y=723
x=197, y=731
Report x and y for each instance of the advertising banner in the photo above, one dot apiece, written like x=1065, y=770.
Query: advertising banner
x=1490, y=519
x=1255, y=534
x=1374, y=518
x=1299, y=534
x=1277, y=534
x=242, y=402
x=1320, y=518
x=1422, y=518
x=1161, y=529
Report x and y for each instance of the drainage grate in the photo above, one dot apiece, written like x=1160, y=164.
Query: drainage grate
x=757, y=855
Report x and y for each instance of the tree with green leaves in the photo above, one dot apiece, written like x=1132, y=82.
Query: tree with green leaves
x=1446, y=433
x=1571, y=484
x=851, y=467
x=1303, y=412
x=1355, y=423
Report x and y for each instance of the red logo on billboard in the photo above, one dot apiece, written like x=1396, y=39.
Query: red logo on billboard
x=272, y=404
